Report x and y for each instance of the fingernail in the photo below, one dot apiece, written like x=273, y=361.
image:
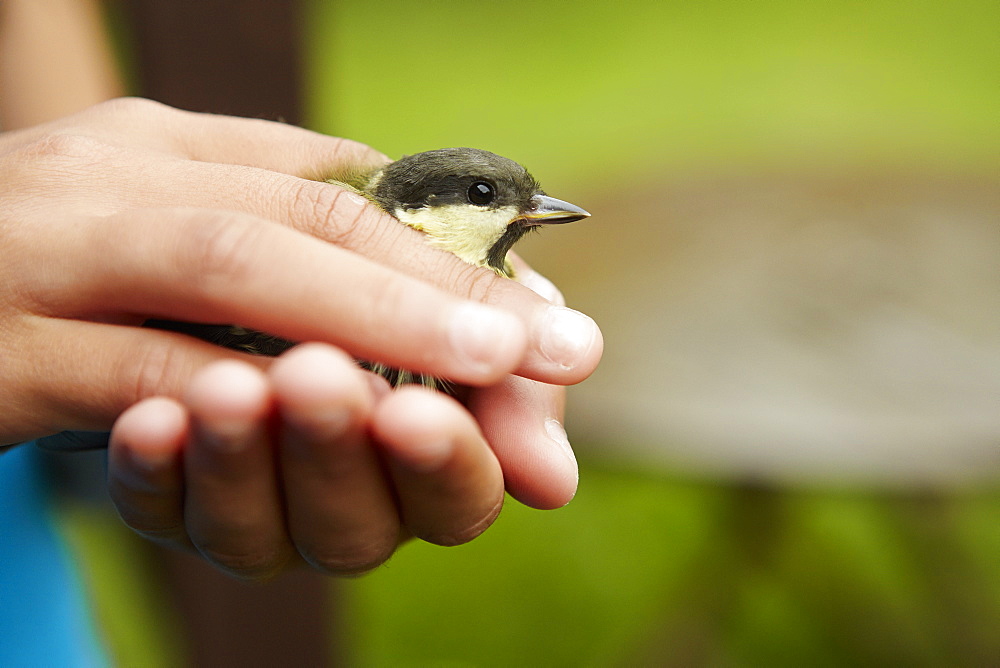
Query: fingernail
x=557, y=434
x=567, y=336
x=482, y=337
x=555, y=431
x=355, y=199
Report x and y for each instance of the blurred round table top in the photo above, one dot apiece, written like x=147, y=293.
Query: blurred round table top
x=808, y=329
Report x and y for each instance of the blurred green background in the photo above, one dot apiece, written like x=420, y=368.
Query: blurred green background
x=659, y=567
x=587, y=91
x=667, y=565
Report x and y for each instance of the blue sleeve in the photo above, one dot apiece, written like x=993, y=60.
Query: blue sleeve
x=46, y=619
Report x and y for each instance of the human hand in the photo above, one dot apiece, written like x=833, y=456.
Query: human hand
x=132, y=210
x=317, y=460
x=314, y=459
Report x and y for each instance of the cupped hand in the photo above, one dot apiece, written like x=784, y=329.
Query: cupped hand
x=132, y=210
x=313, y=460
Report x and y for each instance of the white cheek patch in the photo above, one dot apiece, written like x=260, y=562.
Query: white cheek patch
x=467, y=231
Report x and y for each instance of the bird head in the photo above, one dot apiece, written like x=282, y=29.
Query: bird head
x=471, y=202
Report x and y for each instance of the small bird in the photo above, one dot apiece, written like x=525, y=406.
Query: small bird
x=472, y=203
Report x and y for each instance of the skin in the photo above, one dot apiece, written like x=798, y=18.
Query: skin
x=131, y=210
x=54, y=60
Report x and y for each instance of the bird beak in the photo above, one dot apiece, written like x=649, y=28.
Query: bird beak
x=545, y=210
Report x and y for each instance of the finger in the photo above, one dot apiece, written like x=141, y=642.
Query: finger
x=209, y=266
x=522, y=420
x=84, y=374
x=341, y=514
x=535, y=282
x=233, y=507
x=144, y=469
x=564, y=345
x=448, y=482
x=215, y=138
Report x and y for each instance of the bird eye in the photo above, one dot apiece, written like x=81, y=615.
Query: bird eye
x=481, y=193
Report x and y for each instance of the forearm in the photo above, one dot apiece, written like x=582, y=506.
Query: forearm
x=54, y=60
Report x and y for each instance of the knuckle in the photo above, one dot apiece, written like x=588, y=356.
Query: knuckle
x=355, y=559
x=350, y=152
x=388, y=300
x=217, y=252
x=459, y=535
x=316, y=204
x=138, y=107
x=155, y=529
x=127, y=502
x=54, y=166
x=342, y=152
x=65, y=152
x=473, y=282
x=155, y=368
x=331, y=213
x=250, y=564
